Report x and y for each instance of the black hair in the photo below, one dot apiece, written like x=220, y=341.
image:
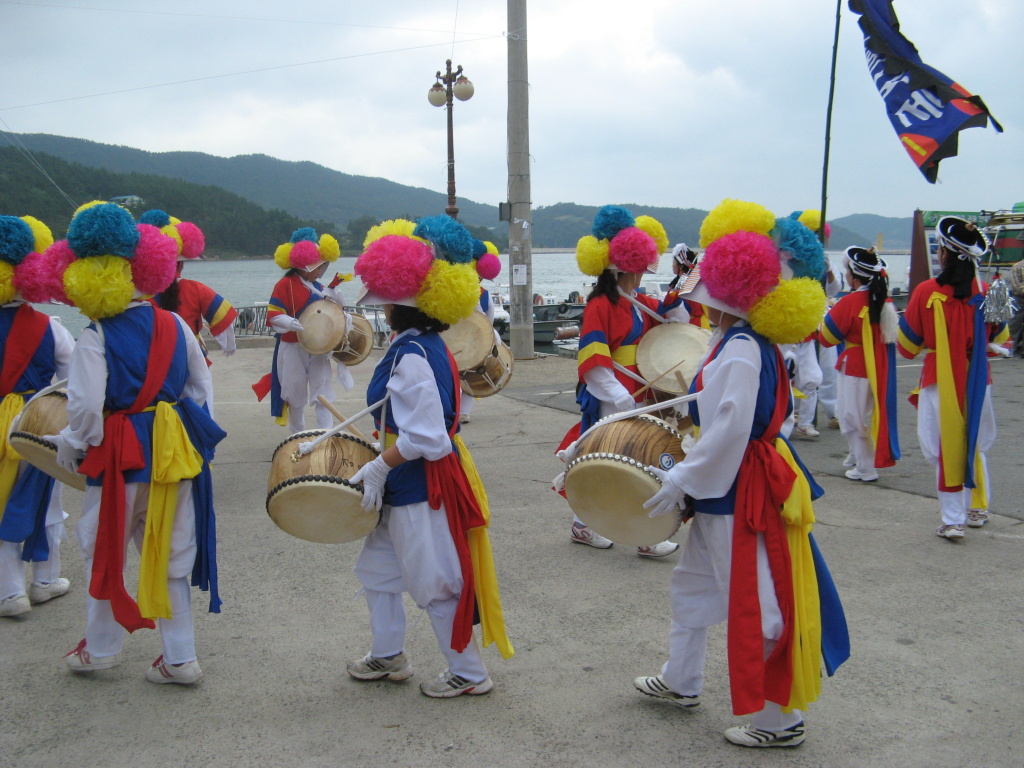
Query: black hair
x=958, y=273
x=403, y=318
x=607, y=285
x=170, y=298
x=878, y=293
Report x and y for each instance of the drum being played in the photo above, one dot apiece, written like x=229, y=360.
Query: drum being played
x=668, y=356
x=492, y=376
x=607, y=482
x=323, y=327
x=44, y=414
x=311, y=497
x=470, y=341
x=357, y=344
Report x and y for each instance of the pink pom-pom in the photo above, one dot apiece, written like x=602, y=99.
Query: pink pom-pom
x=193, y=242
x=488, y=266
x=740, y=268
x=57, y=257
x=155, y=262
x=32, y=278
x=394, y=266
x=304, y=253
x=632, y=250
x=828, y=230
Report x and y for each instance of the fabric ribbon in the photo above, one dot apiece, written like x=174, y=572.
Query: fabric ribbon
x=10, y=407
x=880, y=379
x=23, y=519
x=952, y=426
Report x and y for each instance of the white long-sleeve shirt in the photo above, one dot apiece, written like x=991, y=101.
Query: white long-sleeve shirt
x=416, y=407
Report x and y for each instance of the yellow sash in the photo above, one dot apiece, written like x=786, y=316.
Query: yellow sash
x=10, y=407
x=952, y=426
x=868, y=345
x=174, y=459
x=625, y=356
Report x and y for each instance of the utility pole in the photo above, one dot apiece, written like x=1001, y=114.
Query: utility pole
x=520, y=216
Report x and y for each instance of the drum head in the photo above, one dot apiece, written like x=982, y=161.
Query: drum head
x=470, y=341
x=608, y=495
x=322, y=510
x=492, y=376
x=42, y=454
x=668, y=349
x=323, y=327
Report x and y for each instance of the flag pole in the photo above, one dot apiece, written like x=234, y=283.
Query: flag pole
x=828, y=124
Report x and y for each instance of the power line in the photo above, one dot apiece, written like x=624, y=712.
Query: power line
x=24, y=151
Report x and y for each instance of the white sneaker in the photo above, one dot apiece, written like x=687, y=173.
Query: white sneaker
x=749, y=736
x=833, y=423
x=849, y=462
x=658, y=550
x=854, y=474
x=38, y=592
x=80, y=660
x=374, y=668
x=655, y=686
x=976, y=518
x=807, y=432
x=182, y=674
x=448, y=685
x=950, y=531
x=15, y=605
x=581, y=534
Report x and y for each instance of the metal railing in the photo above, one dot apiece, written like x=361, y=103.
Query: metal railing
x=252, y=321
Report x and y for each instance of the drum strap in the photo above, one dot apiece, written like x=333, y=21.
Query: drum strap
x=26, y=334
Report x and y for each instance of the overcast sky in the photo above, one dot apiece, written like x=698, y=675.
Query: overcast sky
x=675, y=103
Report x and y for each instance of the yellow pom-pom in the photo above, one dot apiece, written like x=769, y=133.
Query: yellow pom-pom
x=282, y=256
x=329, y=248
x=90, y=204
x=653, y=227
x=450, y=292
x=402, y=227
x=811, y=219
x=732, y=216
x=174, y=220
x=42, y=234
x=100, y=286
x=172, y=232
x=7, y=290
x=491, y=248
x=790, y=312
x=592, y=255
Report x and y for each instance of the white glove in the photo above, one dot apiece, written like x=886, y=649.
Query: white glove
x=67, y=457
x=1001, y=351
x=294, y=325
x=372, y=476
x=669, y=499
x=568, y=453
x=625, y=403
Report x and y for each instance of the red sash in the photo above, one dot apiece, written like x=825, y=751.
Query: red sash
x=120, y=452
x=447, y=484
x=27, y=331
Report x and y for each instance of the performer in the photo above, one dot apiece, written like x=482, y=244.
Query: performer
x=485, y=259
x=33, y=349
x=619, y=252
x=749, y=556
x=829, y=356
x=684, y=259
x=432, y=538
x=298, y=378
x=956, y=423
x=865, y=322
x=138, y=430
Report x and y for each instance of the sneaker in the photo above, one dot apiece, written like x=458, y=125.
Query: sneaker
x=950, y=531
x=807, y=432
x=448, y=685
x=183, y=674
x=655, y=686
x=658, y=550
x=854, y=474
x=581, y=534
x=374, y=668
x=849, y=462
x=976, y=518
x=38, y=592
x=80, y=660
x=464, y=418
x=833, y=423
x=749, y=736
x=15, y=605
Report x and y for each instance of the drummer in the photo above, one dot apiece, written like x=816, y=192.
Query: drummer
x=33, y=347
x=684, y=259
x=432, y=538
x=485, y=259
x=749, y=557
x=619, y=252
x=297, y=377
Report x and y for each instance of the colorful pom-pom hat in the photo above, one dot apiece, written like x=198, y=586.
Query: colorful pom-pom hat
x=428, y=264
x=108, y=259
x=25, y=271
x=187, y=236
x=620, y=242
x=305, y=251
x=762, y=269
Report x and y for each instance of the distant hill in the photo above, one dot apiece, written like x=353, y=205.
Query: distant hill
x=354, y=203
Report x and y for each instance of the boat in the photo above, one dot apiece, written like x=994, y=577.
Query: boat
x=552, y=320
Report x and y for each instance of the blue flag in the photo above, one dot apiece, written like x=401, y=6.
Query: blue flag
x=926, y=108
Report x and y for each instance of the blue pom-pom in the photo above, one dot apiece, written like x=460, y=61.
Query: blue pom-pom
x=16, y=239
x=453, y=241
x=101, y=230
x=304, y=233
x=795, y=215
x=156, y=218
x=806, y=254
x=611, y=220
x=479, y=248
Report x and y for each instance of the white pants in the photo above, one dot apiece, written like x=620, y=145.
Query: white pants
x=700, y=599
x=12, y=567
x=854, y=406
x=103, y=635
x=807, y=378
x=412, y=551
x=303, y=377
x=953, y=505
x=827, y=359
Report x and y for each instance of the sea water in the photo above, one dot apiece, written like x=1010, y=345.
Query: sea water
x=250, y=281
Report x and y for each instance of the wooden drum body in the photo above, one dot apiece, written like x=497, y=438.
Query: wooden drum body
x=311, y=496
x=607, y=482
x=323, y=327
x=44, y=414
x=492, y=376
x=357, y=344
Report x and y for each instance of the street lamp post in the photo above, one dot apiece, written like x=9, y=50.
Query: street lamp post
x=440, y=95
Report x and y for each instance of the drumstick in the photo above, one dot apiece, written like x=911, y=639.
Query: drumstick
x=337, y=414
x=659, y=377
x=305, y=448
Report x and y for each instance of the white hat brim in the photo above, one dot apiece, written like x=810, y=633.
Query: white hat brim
x=369, y=298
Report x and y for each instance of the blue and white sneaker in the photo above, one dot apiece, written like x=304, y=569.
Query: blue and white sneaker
x=655, y=686
x=749, y=736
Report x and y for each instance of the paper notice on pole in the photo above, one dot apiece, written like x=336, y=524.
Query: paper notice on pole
x=518, y=274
